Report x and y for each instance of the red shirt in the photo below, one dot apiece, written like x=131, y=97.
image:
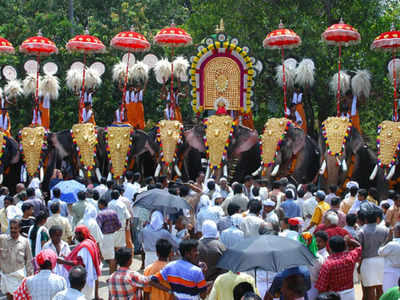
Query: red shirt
x=336, y=274
x=332, y=230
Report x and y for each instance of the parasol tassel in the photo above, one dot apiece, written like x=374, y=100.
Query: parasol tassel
x=391, y=172
x=344, y=83
x=361, y=83
x=374, y=172
x=98, y=174
x=158, y=170
x=256, y=172
x=275, y=170
x=305, y=73
x=177, y=171
x=13, y=89
x=323, y=168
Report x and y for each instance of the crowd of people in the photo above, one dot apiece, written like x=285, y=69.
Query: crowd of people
x=51, y=249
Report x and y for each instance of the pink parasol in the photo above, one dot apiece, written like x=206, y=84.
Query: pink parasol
x=340, y=35
x=129, y=41
x=86, y=44
x=173, y=37
x=390, y=42
x=39, y=46
x=282, y=38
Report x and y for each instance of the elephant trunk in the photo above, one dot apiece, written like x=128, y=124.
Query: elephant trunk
x=374, y=172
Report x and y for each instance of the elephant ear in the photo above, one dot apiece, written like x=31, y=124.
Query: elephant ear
x=298, y=139
x=194, y=137
x=245, y=139
x=356, y=141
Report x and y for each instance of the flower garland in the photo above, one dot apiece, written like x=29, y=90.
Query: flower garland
x=345, y=138
x=88, y=169
x=42, y=151
x=128, y=154
x=278, y=145
x=229, y=46
x=224, y=154
x=158, y=137
x=378, y=145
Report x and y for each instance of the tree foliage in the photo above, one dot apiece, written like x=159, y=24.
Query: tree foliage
x=248, y=20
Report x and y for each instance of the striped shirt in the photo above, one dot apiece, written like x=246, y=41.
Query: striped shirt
x=186, y=280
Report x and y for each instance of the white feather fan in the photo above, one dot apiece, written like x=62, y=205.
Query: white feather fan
x=1, y=92
x=29, y=84
x=396, y=63
x=162, y=70
x=49, y=85
x=118, y=72
x=344, y=83
x=140, y=72
x=361, y=83
x=13, y=88
x=305, y=73
x=290, y=74
x=181, y=66
x=74, y=79
x=92, y=79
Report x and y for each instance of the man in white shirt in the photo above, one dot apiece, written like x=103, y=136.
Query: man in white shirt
x=391, y=253
x=269, y=214
x=77, y=280
x=119, y=207
x=252, y=222
x=101, y=188
x=132, y=186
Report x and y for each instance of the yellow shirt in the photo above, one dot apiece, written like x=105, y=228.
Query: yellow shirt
x=156, y=294
x=225, y=283
x=319, y=211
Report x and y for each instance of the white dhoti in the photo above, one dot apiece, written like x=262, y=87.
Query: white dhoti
x=150, y=257
x=88, y=291
x=390, y=278
x=347, y=294
x=10, y=282
x=119, y=238
x=371, y=271
x=107, y=246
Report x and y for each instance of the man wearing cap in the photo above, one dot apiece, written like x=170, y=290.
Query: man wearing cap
x=319, y=211
x=289, y=206
x=224, y=188
x=349, y=200
x=269, y=214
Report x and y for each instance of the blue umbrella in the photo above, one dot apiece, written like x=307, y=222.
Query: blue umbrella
x=69, y=190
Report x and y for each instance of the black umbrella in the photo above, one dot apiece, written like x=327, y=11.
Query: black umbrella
x=268, y=252
x=161, y=200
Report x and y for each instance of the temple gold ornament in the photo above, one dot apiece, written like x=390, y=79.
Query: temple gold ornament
x=336, y=131
x=118, y=141
x=170, y=135
x=32, y=139
x=85, y=137
x=274, y=129
x=218, y=130
x=389, y=139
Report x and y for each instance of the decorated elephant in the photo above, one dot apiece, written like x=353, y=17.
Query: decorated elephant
x=222, y=140
x=345, y=156
x=9, y=161
x=286, y=151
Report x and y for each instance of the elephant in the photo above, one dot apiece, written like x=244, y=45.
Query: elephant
x=288, y=152
x=212, y=137
x=9, y=162
x=349, y=158
x=64, y=154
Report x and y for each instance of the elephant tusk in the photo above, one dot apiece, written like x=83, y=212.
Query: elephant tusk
x=391, y=172
x=374, y=172
x=1, y=178
x=98, y=174
x=207, y=172
x=323, y=168
x=225, y=171
x=158, y=169
x=275, y=170
x=23, y=174
x=41, y=174
x=81, y=174
x=177, y=171
x=109, y=176
x=337, y=161
x=256, y=172
x=344, y=165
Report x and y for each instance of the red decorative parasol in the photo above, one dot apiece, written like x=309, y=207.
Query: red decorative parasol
x=129, y=41
x=282, y=38
x=173, y=37
x=86, y=44
x=39, y=46
x=6, y=46
x=389, y=41
x=340, y=35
